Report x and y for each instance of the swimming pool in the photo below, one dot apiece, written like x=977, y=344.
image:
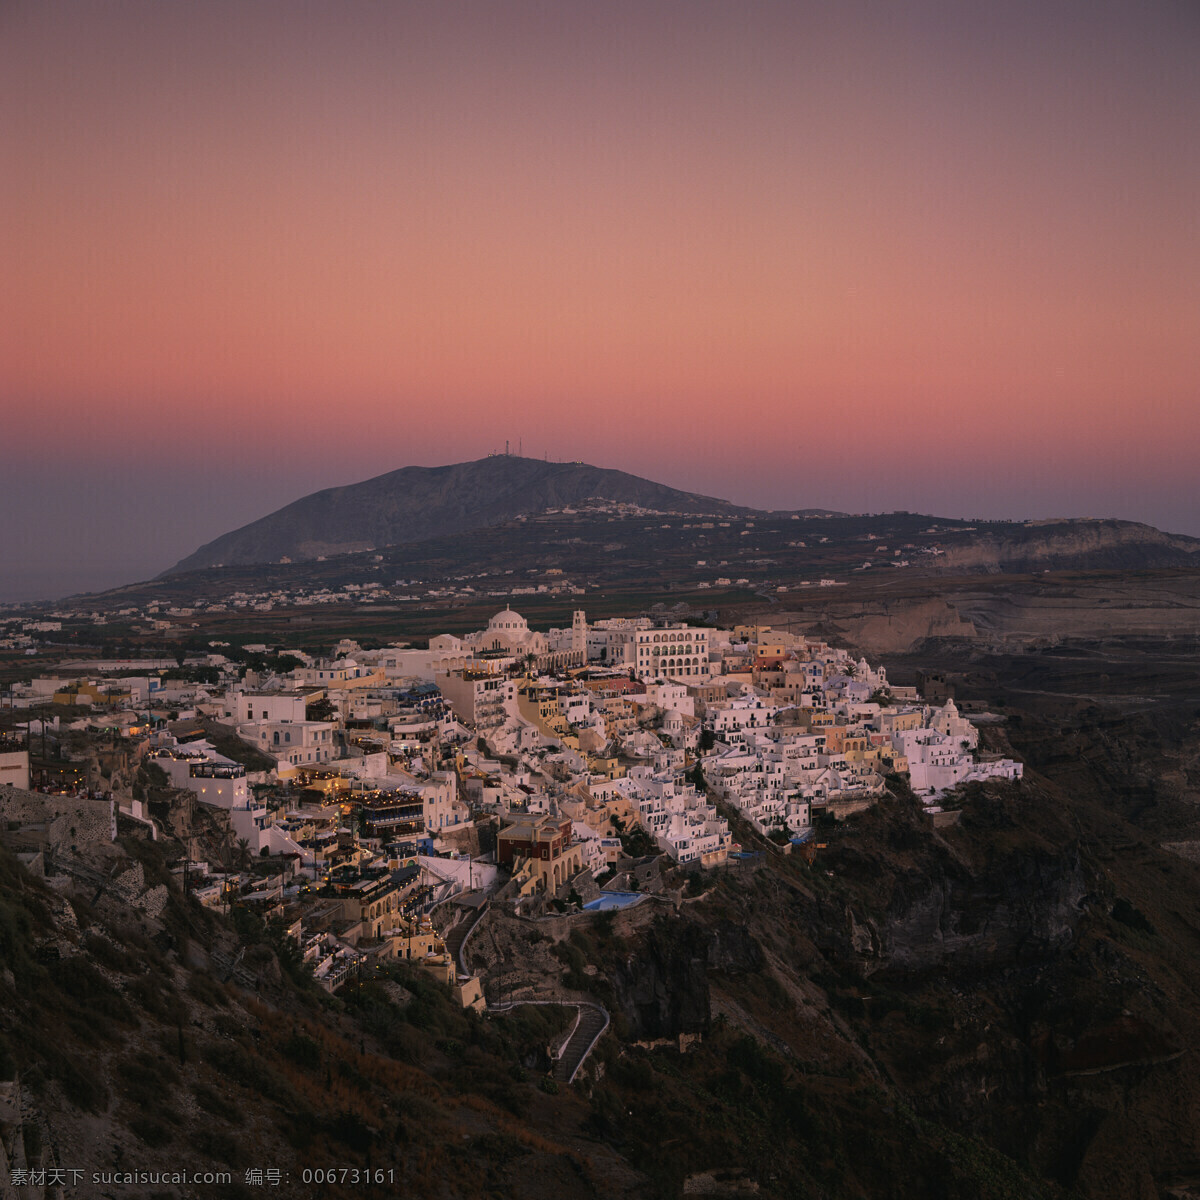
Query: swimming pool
x=610, y=900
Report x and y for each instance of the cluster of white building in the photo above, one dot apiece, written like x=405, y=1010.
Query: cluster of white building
x=612, y=719
x=592, y=730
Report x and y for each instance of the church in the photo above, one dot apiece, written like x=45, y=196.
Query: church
x=509, y=638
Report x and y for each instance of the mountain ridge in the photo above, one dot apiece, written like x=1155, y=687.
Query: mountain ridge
x=413, y=503
x=474, y=514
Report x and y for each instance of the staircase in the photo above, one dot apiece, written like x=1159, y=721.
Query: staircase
x=593, y=1021
x=232, y=969
x=456, y=936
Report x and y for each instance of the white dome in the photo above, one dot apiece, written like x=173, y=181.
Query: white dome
x=507, y=619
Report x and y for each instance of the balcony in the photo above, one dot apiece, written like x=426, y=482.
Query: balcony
x=211, y=770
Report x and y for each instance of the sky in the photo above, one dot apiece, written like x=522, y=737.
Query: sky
x=860, y=255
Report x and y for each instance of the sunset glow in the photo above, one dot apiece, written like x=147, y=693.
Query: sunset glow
x=959, y=241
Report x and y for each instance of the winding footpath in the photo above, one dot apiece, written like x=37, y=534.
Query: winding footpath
x=591, y=1020
x=590, y=1023
x=457, y=936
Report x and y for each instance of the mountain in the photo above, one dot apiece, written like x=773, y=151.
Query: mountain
x=415, y=503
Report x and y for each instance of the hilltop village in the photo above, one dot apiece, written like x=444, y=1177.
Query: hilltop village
x=350, y=798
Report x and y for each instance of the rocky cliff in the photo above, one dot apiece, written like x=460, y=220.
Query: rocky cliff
x=1066, y=545
x=1002, y=1007
x=1005, y=612
x=661, y=986
x=953, y=909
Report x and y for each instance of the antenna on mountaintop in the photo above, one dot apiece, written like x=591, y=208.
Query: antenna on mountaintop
x=506, y=447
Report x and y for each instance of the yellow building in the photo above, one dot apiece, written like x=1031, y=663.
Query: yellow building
x=749, y=633
x=415, y=940
x=470, y=993
x=539, y=706
x=835, y=737
x=373, y=902
x=895, y=722
x=546, y=844
x=610, y=768
x=85, y=693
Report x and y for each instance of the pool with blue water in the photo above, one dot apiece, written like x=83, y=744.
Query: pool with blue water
x=610, y=900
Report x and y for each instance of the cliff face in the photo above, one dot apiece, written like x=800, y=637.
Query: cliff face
x=979, y=895
x=1005, y=977
x=662, y=988
x=909, y=998
x=1054, y=546
x=1012, y=993
x=998, y=1008
x=1008, y=613
x=900, y=627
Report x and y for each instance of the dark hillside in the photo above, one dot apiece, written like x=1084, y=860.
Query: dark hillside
x=414, y=503
x=129, y=1047
x=1001, y=1008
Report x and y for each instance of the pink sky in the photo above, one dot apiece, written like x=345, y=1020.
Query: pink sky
x=932, y=256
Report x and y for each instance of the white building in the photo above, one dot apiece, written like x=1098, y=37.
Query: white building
x=937, y=762
x=729, y=718
x=507, y=636
x=676, y=652
x=199, y=768
x=292, y=743
x=679, y=819
x=443, y=810
x=338, y=673
x=613, y=642
x=479, y=697
x=218, y=781
x=242, y=706
x=14, y=767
